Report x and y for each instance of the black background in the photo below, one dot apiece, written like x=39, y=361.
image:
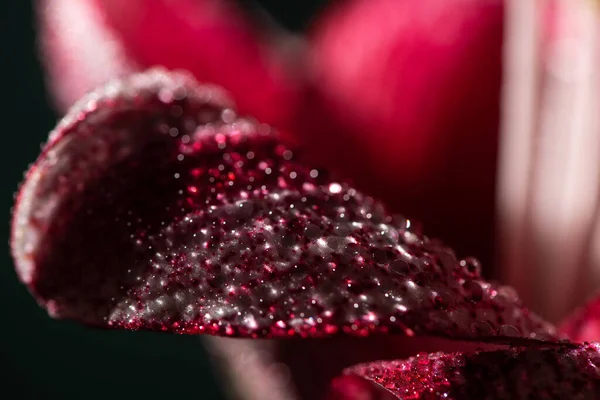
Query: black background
x=42, y=358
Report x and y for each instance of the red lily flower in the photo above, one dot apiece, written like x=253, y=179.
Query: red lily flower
x=154, y=206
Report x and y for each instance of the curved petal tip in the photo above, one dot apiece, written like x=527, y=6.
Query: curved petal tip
x=153, y=206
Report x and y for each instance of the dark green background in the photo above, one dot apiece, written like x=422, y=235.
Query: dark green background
x=43, y=358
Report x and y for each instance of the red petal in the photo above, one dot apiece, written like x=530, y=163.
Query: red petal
x=211, y=39
x=414, y=87
x=152, y=207
x=314, y=363
x=78, y=51
x=355, y=388
x=584, y=325
x=521, y=373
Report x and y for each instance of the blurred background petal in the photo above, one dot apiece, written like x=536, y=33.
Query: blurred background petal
x=77, y=49
x=584, y=324
x=411, y=95
x=85, y=42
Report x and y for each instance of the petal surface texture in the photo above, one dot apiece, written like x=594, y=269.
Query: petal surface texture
x=153, y=206
x=519, y=373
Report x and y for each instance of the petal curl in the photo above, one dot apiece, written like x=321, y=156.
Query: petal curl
x=78, y=51
x=154, y=207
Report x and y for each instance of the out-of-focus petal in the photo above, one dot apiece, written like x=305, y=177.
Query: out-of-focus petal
x=521, y=373
x=413, y=88
x=77, y=49
x=584, y=324
x=86, y=42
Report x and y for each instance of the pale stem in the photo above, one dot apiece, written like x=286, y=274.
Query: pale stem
x=249, y=369
x=549, y=170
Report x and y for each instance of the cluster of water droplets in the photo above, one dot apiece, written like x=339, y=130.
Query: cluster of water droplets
x=270, y=247
x=523, y=373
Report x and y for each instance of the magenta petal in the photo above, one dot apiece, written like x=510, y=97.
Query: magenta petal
x=352, y=387
x=521, y=373
x=154, y=207
x=89, y=41
x=77, y=50
x=415, y=87
x=584, y=324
